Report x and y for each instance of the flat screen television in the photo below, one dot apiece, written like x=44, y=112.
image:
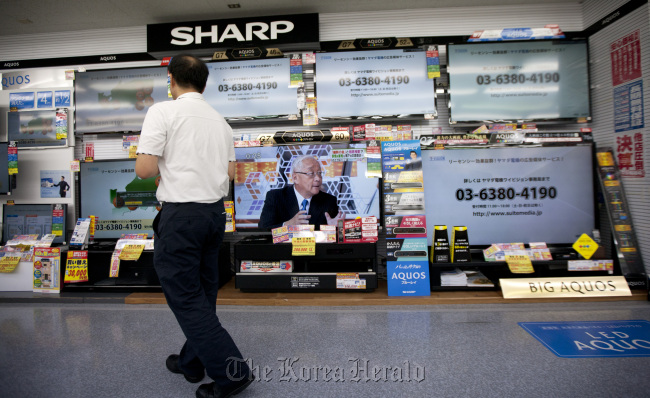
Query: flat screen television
x=251, y=89
x=31, y=129
x=261, y=169
x=373, y=83
x=117, y=99
x=34, y=219
x=504, y=195
x=518, y=81
x=122, y=202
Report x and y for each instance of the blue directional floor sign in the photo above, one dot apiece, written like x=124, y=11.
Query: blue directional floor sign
x=593, y=339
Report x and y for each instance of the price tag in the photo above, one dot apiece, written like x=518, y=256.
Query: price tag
x=76, y=269
x=75, y=166
x=115, y=264
x=131, y=252
x=519, y=264
x=8, y=263
x=303, y=246
x=349, y=281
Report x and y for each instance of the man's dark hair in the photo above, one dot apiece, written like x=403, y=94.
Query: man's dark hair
x=189, y=71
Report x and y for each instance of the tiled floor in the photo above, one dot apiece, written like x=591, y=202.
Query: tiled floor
x=118, y=350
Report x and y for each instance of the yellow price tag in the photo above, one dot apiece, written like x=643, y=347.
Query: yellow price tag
x=303, y=246
x=519, y=264
x=76, y=269
x=131, y=252
x=9, y=263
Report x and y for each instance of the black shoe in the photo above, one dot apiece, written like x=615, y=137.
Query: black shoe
x=172, y=365
x=214, y=391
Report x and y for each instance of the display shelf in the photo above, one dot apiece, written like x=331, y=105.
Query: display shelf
x=310, y=273
x=133, y=276
x=495, y=270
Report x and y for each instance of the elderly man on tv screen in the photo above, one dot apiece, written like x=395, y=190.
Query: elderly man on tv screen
x=303, y=202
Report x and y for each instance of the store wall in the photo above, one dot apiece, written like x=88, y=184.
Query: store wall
x=637, y=189
x=33, y=161
x=453, y=21
x=333, y=26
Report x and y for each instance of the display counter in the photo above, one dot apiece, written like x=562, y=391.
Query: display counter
x=325, y=271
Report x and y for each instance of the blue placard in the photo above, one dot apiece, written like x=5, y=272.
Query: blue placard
x=408, y=278
x=396, y=155
x=593, y=339
x=628, y=107
x=44, y=99
x=62, y=98
x=21, y=100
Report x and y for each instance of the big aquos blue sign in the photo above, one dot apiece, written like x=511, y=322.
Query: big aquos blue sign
x=241, y=32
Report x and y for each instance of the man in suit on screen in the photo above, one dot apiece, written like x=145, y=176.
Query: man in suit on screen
x=303, y=202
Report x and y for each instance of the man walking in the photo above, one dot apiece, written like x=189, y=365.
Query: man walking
x=191, y=146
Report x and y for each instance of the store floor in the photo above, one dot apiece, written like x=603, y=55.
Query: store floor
x=112, y=349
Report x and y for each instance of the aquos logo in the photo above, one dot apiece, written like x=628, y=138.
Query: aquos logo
x=517, y=33
x=186, y=35
x=8, y=81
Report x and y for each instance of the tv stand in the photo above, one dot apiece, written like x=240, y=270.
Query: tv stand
x=310, y=273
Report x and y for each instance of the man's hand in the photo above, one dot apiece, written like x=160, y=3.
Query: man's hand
x=335, y=220
x=301, y=218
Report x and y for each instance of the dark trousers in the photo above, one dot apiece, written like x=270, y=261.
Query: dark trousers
x=186, y=252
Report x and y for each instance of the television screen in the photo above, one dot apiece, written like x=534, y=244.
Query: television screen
x=380, y=82
x=37, y=128
x=117, y=100
x=510, y=81
x=504, y=195
x=261, y=169
x=34, y=219
x=5, y=178
x=251, y=88
x=122, y=202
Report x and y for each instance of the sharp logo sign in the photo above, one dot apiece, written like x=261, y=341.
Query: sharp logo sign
x=262, y=31
x=186, y=35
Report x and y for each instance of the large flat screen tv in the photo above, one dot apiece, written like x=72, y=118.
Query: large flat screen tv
x=34, y=219
x=518, y=81
x=117, y=99
x=261, y=169
x=503, y=195
x=122, y=202
x=373, y=83
x=251, y=89
x=31, y=129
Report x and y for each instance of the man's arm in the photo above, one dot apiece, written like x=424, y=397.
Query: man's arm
x=231, y=170
x=146, y=166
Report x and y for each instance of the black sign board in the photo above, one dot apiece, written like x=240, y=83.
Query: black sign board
x=284, y=31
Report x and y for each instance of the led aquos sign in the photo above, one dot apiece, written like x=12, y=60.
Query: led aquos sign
x=262, y=31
